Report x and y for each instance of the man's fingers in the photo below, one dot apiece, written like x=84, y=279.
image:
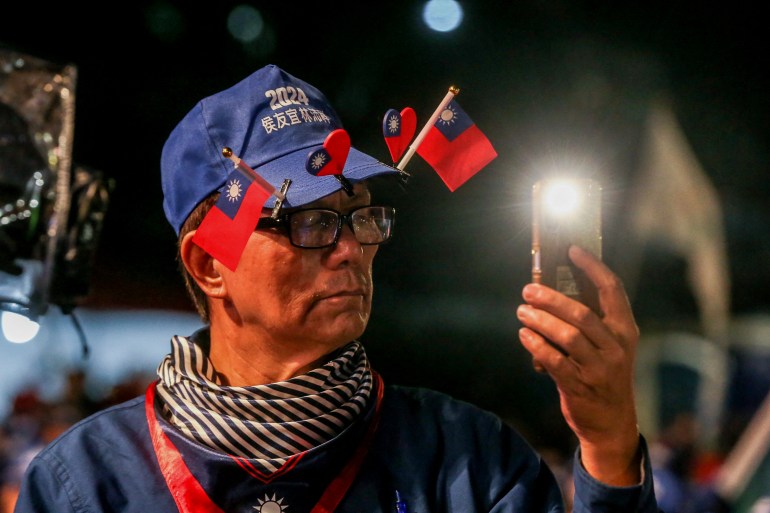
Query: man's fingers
x=545, y=356
x=572, y=314
x=565, y=337
x=618, y=315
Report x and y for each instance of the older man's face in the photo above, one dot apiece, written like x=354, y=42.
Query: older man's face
x=319, y=297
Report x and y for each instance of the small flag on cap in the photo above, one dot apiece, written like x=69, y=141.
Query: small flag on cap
x=398, y=129
x=330, y=159
x=226, y=229
x=455, y=147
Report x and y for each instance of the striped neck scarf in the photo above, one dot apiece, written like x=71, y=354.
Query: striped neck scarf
x=268, y=423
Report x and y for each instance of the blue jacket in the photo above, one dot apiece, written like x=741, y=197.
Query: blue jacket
x=440, y=454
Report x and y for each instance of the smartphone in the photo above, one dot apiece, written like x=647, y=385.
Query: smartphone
x=566, y=212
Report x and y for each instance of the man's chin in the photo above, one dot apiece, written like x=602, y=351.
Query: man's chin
x=345, y=327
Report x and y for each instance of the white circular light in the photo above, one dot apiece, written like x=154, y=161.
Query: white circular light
x=562, y=198
x=442, y=15
x=245, y=23
x=18, y=328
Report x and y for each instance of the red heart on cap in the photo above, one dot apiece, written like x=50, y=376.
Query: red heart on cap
x=337, y=145
x=399, y=143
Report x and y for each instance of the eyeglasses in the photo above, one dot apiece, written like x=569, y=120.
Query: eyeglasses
x=314, y=228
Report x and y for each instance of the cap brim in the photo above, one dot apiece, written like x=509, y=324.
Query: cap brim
x=306, y=188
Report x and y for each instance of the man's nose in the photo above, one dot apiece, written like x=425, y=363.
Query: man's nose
x=347, y=247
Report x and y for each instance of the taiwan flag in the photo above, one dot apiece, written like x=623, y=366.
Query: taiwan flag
x=226, y=229
x=398, y=129
x=455, y=147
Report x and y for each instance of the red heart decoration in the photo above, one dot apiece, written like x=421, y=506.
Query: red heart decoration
x=398, y=144
x=337, y=145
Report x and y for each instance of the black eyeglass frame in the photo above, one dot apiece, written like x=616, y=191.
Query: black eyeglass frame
x=283, y=221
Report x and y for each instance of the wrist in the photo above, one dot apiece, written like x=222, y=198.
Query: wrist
x=615, y=462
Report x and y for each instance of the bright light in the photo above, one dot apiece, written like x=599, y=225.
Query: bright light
x=561, y=198
x=442, y=15
x=245, y=23
x=18, y=328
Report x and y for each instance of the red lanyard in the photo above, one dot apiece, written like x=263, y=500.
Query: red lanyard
x=189, y=495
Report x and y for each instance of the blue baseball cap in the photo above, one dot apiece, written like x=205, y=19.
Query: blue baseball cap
x=271, y=120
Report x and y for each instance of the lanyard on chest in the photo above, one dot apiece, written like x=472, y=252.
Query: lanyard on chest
x=189, y=495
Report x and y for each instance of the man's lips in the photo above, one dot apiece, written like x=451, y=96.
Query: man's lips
x=342, y=293
x=349, y=287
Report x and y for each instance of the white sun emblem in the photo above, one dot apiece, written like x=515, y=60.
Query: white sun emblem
x=318, y=161
x=448, y=116
x=393, y=123
x=270, y=505
x=233, y=190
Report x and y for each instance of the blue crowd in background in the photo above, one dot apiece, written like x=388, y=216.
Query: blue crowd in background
x=683, y=474
x=33, y=422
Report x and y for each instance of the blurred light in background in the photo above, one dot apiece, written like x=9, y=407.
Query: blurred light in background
x=245, y=23
x=122, y=343
x=165, y=21
x=247, y=26
x=442, y=15
x=18, y=328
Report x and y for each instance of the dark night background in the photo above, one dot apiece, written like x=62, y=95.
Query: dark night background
x=550, y=82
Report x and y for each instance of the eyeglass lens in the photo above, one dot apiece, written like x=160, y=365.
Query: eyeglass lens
x=317, y=228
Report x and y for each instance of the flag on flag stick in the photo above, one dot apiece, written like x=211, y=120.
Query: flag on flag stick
x=453, y=91
x=280, y=195
x=452, y=144
x=226, y=229
x=228, y=153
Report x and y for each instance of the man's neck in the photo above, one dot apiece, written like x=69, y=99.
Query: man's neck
x=244, y=357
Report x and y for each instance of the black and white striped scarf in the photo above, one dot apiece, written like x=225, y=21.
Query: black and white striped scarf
x=270, y=422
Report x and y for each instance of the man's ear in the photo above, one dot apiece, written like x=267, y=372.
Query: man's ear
x=201, y=267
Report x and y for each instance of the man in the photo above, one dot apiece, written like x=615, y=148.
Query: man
x=274, y=407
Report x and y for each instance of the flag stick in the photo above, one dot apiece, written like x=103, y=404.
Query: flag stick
x=453, y=91
x=744, y=460
x=227, y=152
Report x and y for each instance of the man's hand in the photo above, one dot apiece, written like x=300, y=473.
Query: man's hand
x=591, y=359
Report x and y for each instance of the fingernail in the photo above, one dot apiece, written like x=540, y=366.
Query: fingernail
x=577, y=251
x=523, y=311
x=529, y=292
